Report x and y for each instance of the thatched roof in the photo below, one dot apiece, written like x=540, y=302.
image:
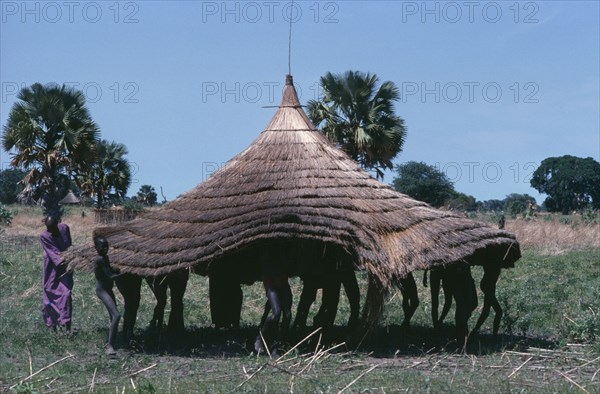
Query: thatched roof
x=291, y=186
x=70, y=198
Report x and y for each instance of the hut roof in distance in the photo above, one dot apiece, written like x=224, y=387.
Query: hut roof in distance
x=69, y=198
x=293, y=185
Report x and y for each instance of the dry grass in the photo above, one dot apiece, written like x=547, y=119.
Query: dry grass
x=26, y=224
x=555, y=235
x=29, y=222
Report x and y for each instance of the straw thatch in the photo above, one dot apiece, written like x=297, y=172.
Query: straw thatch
x=69, y=199
x=292, y=191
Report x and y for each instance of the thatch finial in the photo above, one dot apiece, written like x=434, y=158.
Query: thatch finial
x=290, y=97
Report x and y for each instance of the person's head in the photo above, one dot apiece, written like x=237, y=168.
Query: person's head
x=101, y=245
x=51, y=223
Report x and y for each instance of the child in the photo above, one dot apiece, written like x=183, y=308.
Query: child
x=104, y=285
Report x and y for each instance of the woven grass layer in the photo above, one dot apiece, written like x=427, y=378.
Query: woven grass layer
x=293, y=192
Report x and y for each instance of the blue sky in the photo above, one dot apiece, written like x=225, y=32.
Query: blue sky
x=489, y=89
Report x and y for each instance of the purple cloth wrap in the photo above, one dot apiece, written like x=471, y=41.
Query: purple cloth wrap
x=57, y=283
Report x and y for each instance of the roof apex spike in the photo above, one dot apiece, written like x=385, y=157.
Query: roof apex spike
x=290, y=97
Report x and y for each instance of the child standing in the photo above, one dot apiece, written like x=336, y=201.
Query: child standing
x=104, y=285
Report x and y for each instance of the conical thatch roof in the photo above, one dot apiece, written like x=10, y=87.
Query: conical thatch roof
x=291, y=186
x=70, y=198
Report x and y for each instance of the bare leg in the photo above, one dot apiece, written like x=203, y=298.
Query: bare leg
x=447, y=301
x=235, y=310
x=158, y=286
x=177, y=285
x=498, y=312
x=108, y=299
x=129, y=286
x=471, y=293
x=485, y=312
x=272, y=320
x=410, y=298
x=307, y=298
x=488, y=287
x=286, y=305
x=331, y=299
x=216, y=297
x=462, y=286
x=266, y=312
x=435, y=296
x=353, y=293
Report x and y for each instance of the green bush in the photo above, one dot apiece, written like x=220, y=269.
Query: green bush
x=25, y=388
x=5, y=215
x=548, y=218
x=589, y=216
x=565, y=220
x=583, y=328
x=133, y=204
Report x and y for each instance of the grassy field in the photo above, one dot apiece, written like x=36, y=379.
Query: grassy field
x=549, y=339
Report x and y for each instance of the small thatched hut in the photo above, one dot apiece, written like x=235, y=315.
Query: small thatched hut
x=69, y=199
x=294, y=192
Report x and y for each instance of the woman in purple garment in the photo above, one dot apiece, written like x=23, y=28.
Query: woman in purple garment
x=57, y=283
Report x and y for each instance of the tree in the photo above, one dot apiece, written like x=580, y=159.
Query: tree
x=147, y=195
x=423, y=182
x=10, y=186
x=109, y=176
x=360, y=118
x=515, y=203
x=54, y=139
x=491, y=205
x=571, y=183
x=461, y=202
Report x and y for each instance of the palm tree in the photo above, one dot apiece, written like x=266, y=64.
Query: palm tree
x=54, y=139
x=147, y=195
x=360, y=118
x=110, y=176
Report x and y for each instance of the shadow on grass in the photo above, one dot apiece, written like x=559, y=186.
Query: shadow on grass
x=418, y=340
x=385, y=342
